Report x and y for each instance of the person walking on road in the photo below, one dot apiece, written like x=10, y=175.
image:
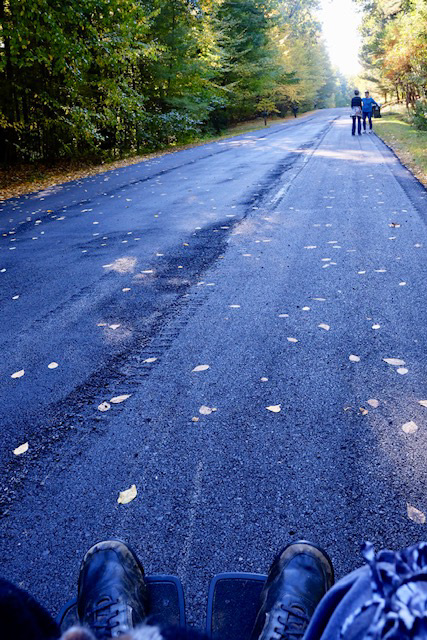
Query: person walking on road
x=367, y=108
x=356, y=113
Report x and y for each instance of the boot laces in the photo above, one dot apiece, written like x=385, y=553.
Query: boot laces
x=293, y=625
x=104, y=617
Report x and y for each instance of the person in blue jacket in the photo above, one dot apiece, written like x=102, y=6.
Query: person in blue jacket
x=367, y=107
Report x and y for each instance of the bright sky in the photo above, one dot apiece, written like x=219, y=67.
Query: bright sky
x=340, y=22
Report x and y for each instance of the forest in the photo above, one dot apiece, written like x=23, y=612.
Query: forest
x=394, y=52
x=107, y=78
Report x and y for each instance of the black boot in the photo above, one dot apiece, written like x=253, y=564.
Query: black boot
x=298, y=579
x=112, y=595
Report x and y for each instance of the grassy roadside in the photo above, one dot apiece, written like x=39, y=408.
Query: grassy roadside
x=409, y=144
x=24, y=179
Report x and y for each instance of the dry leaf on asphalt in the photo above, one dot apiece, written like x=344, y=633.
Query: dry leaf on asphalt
x=324, y=326
x=415, y=514
x=128, y=495
x=363, y=411
x=396, y=362
x=275, y=408
x=53, y=365
x=264, y=379
x=149, y=360
x=119, y=399
x=423, y=403
x=292, y=340
x=200, y=367
x=205, y=411
x=22, y=449
x=18, y=374
x=410, y=427
x=104, y=406
x=373, y=403
x=402, y=371
x=354, y=358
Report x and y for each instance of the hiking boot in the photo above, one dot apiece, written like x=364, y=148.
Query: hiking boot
x=112, y=595
x=298, y=579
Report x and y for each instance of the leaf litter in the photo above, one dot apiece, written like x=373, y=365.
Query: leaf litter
x=200, y=367
x=415, y=514
x=119, y=399
x=127, y=495
x=23, y=448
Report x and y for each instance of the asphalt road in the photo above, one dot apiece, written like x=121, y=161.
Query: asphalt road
x=272, y=257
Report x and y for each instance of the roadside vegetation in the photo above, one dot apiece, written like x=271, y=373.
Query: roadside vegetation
x=103, y=79
x=394, y=55
x=410, y=144
x=16, y=180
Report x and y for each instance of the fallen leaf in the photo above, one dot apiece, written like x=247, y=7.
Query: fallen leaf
x=402, y=284
x=324, y=326
x=394, y=225
x=423, y=403
x=410, y=427
x=283, y=315
x=320, y=299
x=311, y=246
x=274, y=408
x=205, y=411
x=402, y=371
x=18, y=374
x=353, y=358
x=373, y=403
x=22, y=449
x=104, y=406
x=415, y=514
x=128, y=495
x=149, y=360
x=292, y=340
x=119, y=399
x=114, y=326
x=195, y=419
x=126, y=289
x=53, y=365
x=264, y=379
x=396, y=362
x=306, y=309
x=234, y=306
x=15, y=297
x=376, y=326
x=363, y=411
x=200, y=367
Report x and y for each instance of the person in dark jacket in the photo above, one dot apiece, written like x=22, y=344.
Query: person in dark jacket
x=356, y=112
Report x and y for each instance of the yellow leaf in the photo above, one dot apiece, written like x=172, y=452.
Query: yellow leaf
x=415, y=514
x=200, y=367
x=128, y=495
x=396, y=362
x=205, y=411
x=22, y=449
x=410, y=427
x=118, y=399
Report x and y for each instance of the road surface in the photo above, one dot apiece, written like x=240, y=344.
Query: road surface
x=292, y=262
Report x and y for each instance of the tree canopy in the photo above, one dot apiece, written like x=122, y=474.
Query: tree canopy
x=108, y=77
x=394, y=50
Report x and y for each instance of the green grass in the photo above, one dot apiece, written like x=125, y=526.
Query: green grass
x=409, y=144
